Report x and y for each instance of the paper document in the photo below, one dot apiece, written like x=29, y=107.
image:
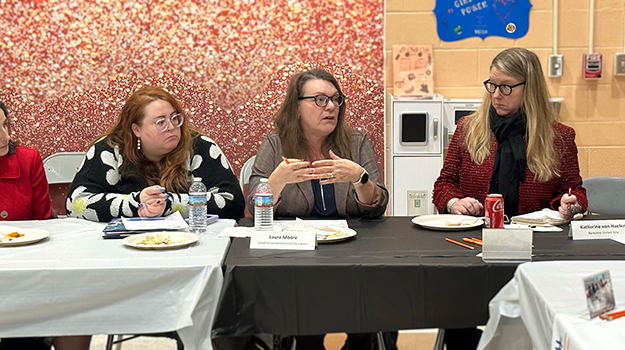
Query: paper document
x=545, y=217
x=173, y=221
x=299, y=223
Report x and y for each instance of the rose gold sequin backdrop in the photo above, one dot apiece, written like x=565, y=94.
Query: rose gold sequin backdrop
x=68, y=66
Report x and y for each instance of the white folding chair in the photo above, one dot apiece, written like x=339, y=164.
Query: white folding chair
x=606, y=194
x=60, y=170
x=246, y=172
x=62, y=167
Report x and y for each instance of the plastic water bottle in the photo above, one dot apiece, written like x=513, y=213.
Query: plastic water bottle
x=263, y=207
x=197, y=205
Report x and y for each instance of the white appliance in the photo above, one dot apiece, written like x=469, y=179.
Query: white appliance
x=456, y=108
x=453, y=111
x=416, y=154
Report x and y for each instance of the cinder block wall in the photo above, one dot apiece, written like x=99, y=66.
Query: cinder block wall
x=594, y=108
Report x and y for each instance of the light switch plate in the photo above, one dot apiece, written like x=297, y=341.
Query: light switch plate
x=619, y=63
x=555, y=66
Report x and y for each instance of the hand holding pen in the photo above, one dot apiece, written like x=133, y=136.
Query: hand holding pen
x=288, y=171
x=568, y=205
x=153, y=201
x=292, y=170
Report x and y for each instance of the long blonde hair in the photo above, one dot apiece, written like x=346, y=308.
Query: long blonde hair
x=522, y=65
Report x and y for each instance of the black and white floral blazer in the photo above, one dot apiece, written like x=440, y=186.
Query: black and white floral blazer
x=100, y=192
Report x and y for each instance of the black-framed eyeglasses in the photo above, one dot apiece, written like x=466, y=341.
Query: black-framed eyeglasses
x=322, y=100
x=162, y=123
x=505, y=89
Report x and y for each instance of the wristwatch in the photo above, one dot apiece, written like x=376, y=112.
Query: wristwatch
x=364, y=178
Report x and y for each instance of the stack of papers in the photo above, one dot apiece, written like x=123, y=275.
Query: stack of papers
x=546, y=217
x=123, y=227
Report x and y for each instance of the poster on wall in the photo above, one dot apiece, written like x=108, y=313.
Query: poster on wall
x=412, y=70
x=460, y=19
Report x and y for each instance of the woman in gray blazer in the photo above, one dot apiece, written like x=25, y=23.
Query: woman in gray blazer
x=316, y=165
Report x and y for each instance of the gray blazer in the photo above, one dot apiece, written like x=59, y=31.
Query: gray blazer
x=297, y=200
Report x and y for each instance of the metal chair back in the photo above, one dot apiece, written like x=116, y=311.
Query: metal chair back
x=60, y=170
x=606, y=194
x=62, y=167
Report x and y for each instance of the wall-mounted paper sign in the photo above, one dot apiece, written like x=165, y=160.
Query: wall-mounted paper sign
x=412, y=70
x=460, y=19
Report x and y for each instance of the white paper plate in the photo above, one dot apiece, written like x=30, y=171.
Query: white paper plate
x=447, y=222
x=179, y=240
x=31, y=235
x=345, y=233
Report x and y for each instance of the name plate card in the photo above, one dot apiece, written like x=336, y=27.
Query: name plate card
x=598, y=229
x=287, y=240
x=506, y=245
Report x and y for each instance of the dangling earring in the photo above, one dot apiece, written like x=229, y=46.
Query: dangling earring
x=138, y=143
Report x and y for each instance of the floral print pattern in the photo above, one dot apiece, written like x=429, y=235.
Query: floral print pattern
x=100, y=192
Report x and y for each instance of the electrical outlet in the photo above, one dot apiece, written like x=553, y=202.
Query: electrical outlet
x=619, y=64
x=417, y=202
x=555, y=66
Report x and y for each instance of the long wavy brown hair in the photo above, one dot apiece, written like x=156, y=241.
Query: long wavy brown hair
x=522, y=65
x=12, y=143
x=289, y=127
x=172, y=171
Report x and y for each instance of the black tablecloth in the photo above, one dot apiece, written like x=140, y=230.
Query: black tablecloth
x=392, y=275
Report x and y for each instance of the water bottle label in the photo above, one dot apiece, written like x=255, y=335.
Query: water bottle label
x=263, y=201
x=197, y=199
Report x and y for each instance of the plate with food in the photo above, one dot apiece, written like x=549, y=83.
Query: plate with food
x=329, y=234
x=17, y=236
x=161, y=240
x=448, y=222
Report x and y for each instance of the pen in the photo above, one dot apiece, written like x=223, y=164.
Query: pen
x=286, y=160
x=613, y=315
x=458, y=243
x=149, y=219
x=568, y=206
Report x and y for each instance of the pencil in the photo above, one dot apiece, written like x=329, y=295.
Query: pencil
x=476, y=239
x=472, y=240
x=286, y=160
x=613, y=315
x=458, y=243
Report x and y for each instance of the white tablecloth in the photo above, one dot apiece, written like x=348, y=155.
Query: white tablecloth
x=76, y=283
x=544, y=307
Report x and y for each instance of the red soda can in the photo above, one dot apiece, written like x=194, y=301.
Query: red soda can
x=494, y=210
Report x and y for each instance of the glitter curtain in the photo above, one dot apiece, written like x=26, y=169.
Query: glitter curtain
x=68, y=66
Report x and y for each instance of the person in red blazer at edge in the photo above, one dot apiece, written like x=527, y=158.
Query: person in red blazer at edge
x=512, y=145
x=24, y=196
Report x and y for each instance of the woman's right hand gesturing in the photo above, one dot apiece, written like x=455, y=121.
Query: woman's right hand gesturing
x=289, y=171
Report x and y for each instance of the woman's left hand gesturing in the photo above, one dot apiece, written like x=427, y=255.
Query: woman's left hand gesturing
x=336, y=169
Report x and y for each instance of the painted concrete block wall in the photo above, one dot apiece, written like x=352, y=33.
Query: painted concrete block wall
x=594, y=108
